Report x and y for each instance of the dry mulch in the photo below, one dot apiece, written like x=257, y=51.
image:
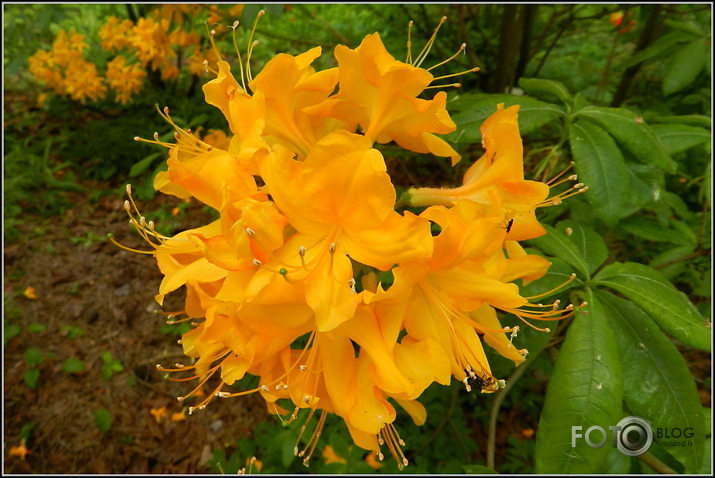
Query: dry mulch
x=108, y=293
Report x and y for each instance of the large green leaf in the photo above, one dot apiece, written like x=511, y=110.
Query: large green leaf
x=680, y=137
x=546, y=89
x=589, y=244
x=647, y=186
x=475, y=108
x=654, y=231
x=660, y=47
x=555, y=243
x=668, y=306
x=692, y=120
x=600, y=166
x=685, y=66
x=660, y=386
x=585, y=390
x=630, y=131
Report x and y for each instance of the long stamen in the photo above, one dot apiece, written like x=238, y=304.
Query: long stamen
x=471, y=70
x=212, y=34
x=310, y=341
x=462, y=48
x=423, y=54
x=571, y=278
x=408, y=59
x=450, y=85
x=251, y=44
x=238, y=53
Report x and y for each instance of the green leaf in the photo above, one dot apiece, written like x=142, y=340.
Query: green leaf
x=475, y=108
x=659, y=385
x=26, y=431
x=33, y=357
x=10, y=331
x=685, y=66
x=660, y=46
x=630, y=131
x=142, y=165
x=668, y=306
x=690, y=26
x=557, y=244
x=674, y=256
x=586, y=390
x=588, y=242
x=653, y=231
x=679, y=137
x=73, y=365
x=600, y=166
x=647, y=185
x=31, y=377
x=72, y=331
x=545, y=89
x=706, y=467
x=617, y=462
x=693, y=120
x=103, y=419
x=36, y=328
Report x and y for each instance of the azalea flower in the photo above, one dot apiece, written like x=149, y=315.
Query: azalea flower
x=284, y=285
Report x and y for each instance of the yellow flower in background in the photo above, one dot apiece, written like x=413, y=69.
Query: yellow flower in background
x=330, y=456
x=115, y=34
x=158, y=413
x=125, y=80
x=20, y=450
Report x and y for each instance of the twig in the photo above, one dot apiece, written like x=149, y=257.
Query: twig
x=494, y=411
x=657, y=465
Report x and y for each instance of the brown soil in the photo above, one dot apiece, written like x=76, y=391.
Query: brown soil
x=108, y=293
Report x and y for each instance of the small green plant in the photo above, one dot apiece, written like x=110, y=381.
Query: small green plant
x=88, y=240
x=74, y=288
x=110, y=365
x=72, y=331
x=103, y=419
x=31, y=377
x=74, y=365
x=36, y=328
x=10, y=330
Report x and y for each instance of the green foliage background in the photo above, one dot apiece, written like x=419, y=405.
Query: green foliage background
x=628, y=107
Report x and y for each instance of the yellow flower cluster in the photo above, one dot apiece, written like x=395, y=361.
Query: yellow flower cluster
x=125, y=80
x=65, y=70
x=291, y=283
x=153, y=43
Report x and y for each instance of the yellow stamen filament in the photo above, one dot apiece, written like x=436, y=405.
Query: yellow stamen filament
x=450, y=85
x=565, y=170
x=571, y=278
x=212, y=34
x=251, y=45
x=471, y=70
x=388, y=435
x=462, y=48
x=238, y=53
x=423, y=54
x=311, y=339
x=408, y=59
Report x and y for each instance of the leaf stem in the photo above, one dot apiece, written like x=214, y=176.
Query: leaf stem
x=657, y=465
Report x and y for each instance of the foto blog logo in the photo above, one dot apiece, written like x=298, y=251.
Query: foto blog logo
x=633, y=436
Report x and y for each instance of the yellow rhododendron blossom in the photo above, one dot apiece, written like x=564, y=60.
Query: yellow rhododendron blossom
x=497, y=178
x=310, y=278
